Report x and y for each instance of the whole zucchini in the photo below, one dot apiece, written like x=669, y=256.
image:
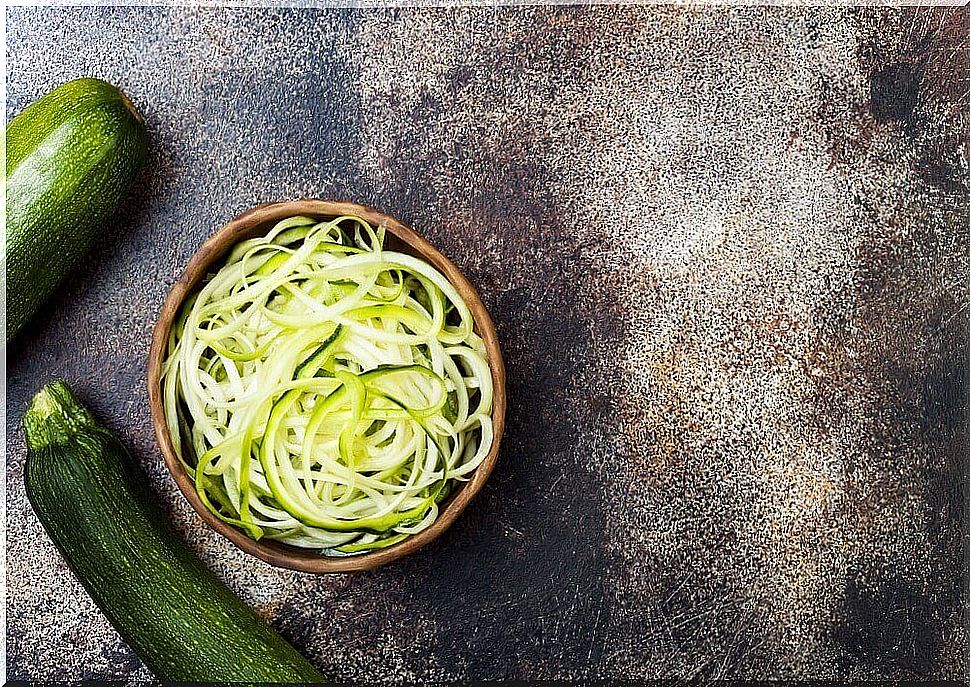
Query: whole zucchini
x=70, y=157
x=94, y=502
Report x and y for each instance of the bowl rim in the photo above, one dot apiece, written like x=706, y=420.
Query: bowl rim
x=249, y=224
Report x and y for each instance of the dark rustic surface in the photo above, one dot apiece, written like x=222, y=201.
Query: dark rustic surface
x=727, y=252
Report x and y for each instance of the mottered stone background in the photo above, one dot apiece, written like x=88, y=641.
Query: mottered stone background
x=727, y=252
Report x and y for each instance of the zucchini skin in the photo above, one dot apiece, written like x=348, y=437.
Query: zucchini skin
x=94, y=503
x=71, y=156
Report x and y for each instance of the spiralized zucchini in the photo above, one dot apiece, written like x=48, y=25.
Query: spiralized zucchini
x=325, y=392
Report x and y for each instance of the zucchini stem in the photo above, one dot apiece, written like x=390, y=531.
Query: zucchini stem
x=53, y=416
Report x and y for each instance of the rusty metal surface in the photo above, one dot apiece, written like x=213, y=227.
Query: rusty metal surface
x=727, y=252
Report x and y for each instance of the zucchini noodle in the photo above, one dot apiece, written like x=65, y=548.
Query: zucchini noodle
x=325, y=392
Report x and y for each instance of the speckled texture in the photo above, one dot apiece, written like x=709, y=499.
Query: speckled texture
x=727, y=253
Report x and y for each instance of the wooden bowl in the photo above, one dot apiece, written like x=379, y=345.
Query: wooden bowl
x=257, y=222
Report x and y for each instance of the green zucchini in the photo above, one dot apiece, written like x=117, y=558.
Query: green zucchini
x=71, y=155
x=94, y=502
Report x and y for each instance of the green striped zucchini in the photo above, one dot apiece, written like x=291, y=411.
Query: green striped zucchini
x=94, y=503
x=71, y=155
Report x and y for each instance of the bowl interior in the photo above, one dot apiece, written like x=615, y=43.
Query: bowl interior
x=398, y=237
